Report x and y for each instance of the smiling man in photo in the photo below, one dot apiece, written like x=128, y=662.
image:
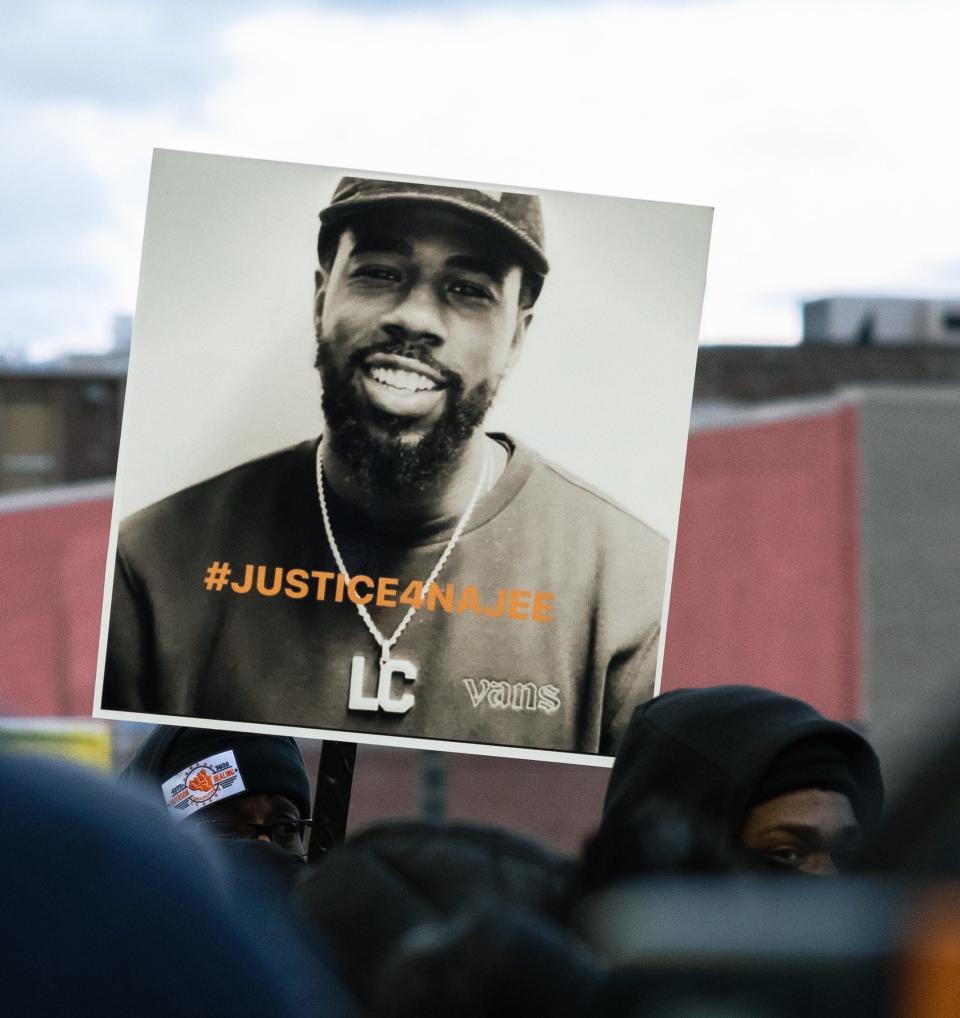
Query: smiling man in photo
x=408, y=574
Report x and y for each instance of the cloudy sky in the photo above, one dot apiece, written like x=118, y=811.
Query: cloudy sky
x=824, y=133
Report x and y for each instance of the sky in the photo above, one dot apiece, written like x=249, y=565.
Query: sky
x=823, y=133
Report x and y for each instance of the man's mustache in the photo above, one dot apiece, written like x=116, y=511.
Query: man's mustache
x=411, y=348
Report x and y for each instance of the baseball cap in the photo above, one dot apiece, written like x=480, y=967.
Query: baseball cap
x=517, y=216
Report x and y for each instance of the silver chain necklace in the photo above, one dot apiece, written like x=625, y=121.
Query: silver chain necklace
x=386, y=645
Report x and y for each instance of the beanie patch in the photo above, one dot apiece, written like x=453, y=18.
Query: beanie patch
x=208, y=780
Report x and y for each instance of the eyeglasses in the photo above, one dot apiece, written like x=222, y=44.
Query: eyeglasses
x=285, y=834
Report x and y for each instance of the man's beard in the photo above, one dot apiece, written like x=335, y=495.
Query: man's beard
x=382, y=460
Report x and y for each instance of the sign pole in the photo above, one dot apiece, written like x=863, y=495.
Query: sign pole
x=331, y=801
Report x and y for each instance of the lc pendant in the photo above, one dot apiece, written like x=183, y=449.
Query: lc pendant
x=384, y=699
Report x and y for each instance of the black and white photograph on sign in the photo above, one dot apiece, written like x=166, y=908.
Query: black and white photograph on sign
x=401, y=458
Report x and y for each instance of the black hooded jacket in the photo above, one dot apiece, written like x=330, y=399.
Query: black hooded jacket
x=698, y=755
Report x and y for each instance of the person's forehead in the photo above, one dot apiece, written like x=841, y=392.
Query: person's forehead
x=245, y=806
x=807, y=807
x=406, y=230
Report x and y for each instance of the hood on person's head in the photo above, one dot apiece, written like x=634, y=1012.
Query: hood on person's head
x=399, y=875
x=715, y=754
x=193, y=768
x=494, y=960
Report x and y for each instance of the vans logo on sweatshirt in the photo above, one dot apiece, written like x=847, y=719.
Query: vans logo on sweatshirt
x=517, y=696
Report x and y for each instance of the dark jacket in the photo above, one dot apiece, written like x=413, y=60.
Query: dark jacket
x=108, y=909
x=372, y=891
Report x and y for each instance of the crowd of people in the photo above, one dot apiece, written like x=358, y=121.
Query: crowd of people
x=184, y=887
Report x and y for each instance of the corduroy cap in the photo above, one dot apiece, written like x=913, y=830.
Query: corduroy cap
x=263, y=763
x=517, y=217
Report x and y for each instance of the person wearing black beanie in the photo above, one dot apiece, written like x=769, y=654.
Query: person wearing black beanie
x=236, y=785
x=735, y=777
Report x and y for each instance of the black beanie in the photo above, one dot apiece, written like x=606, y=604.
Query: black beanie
x=810, y=763
x=216, y=765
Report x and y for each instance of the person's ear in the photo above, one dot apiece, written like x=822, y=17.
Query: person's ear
x=524, y=318
x=320, y=288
